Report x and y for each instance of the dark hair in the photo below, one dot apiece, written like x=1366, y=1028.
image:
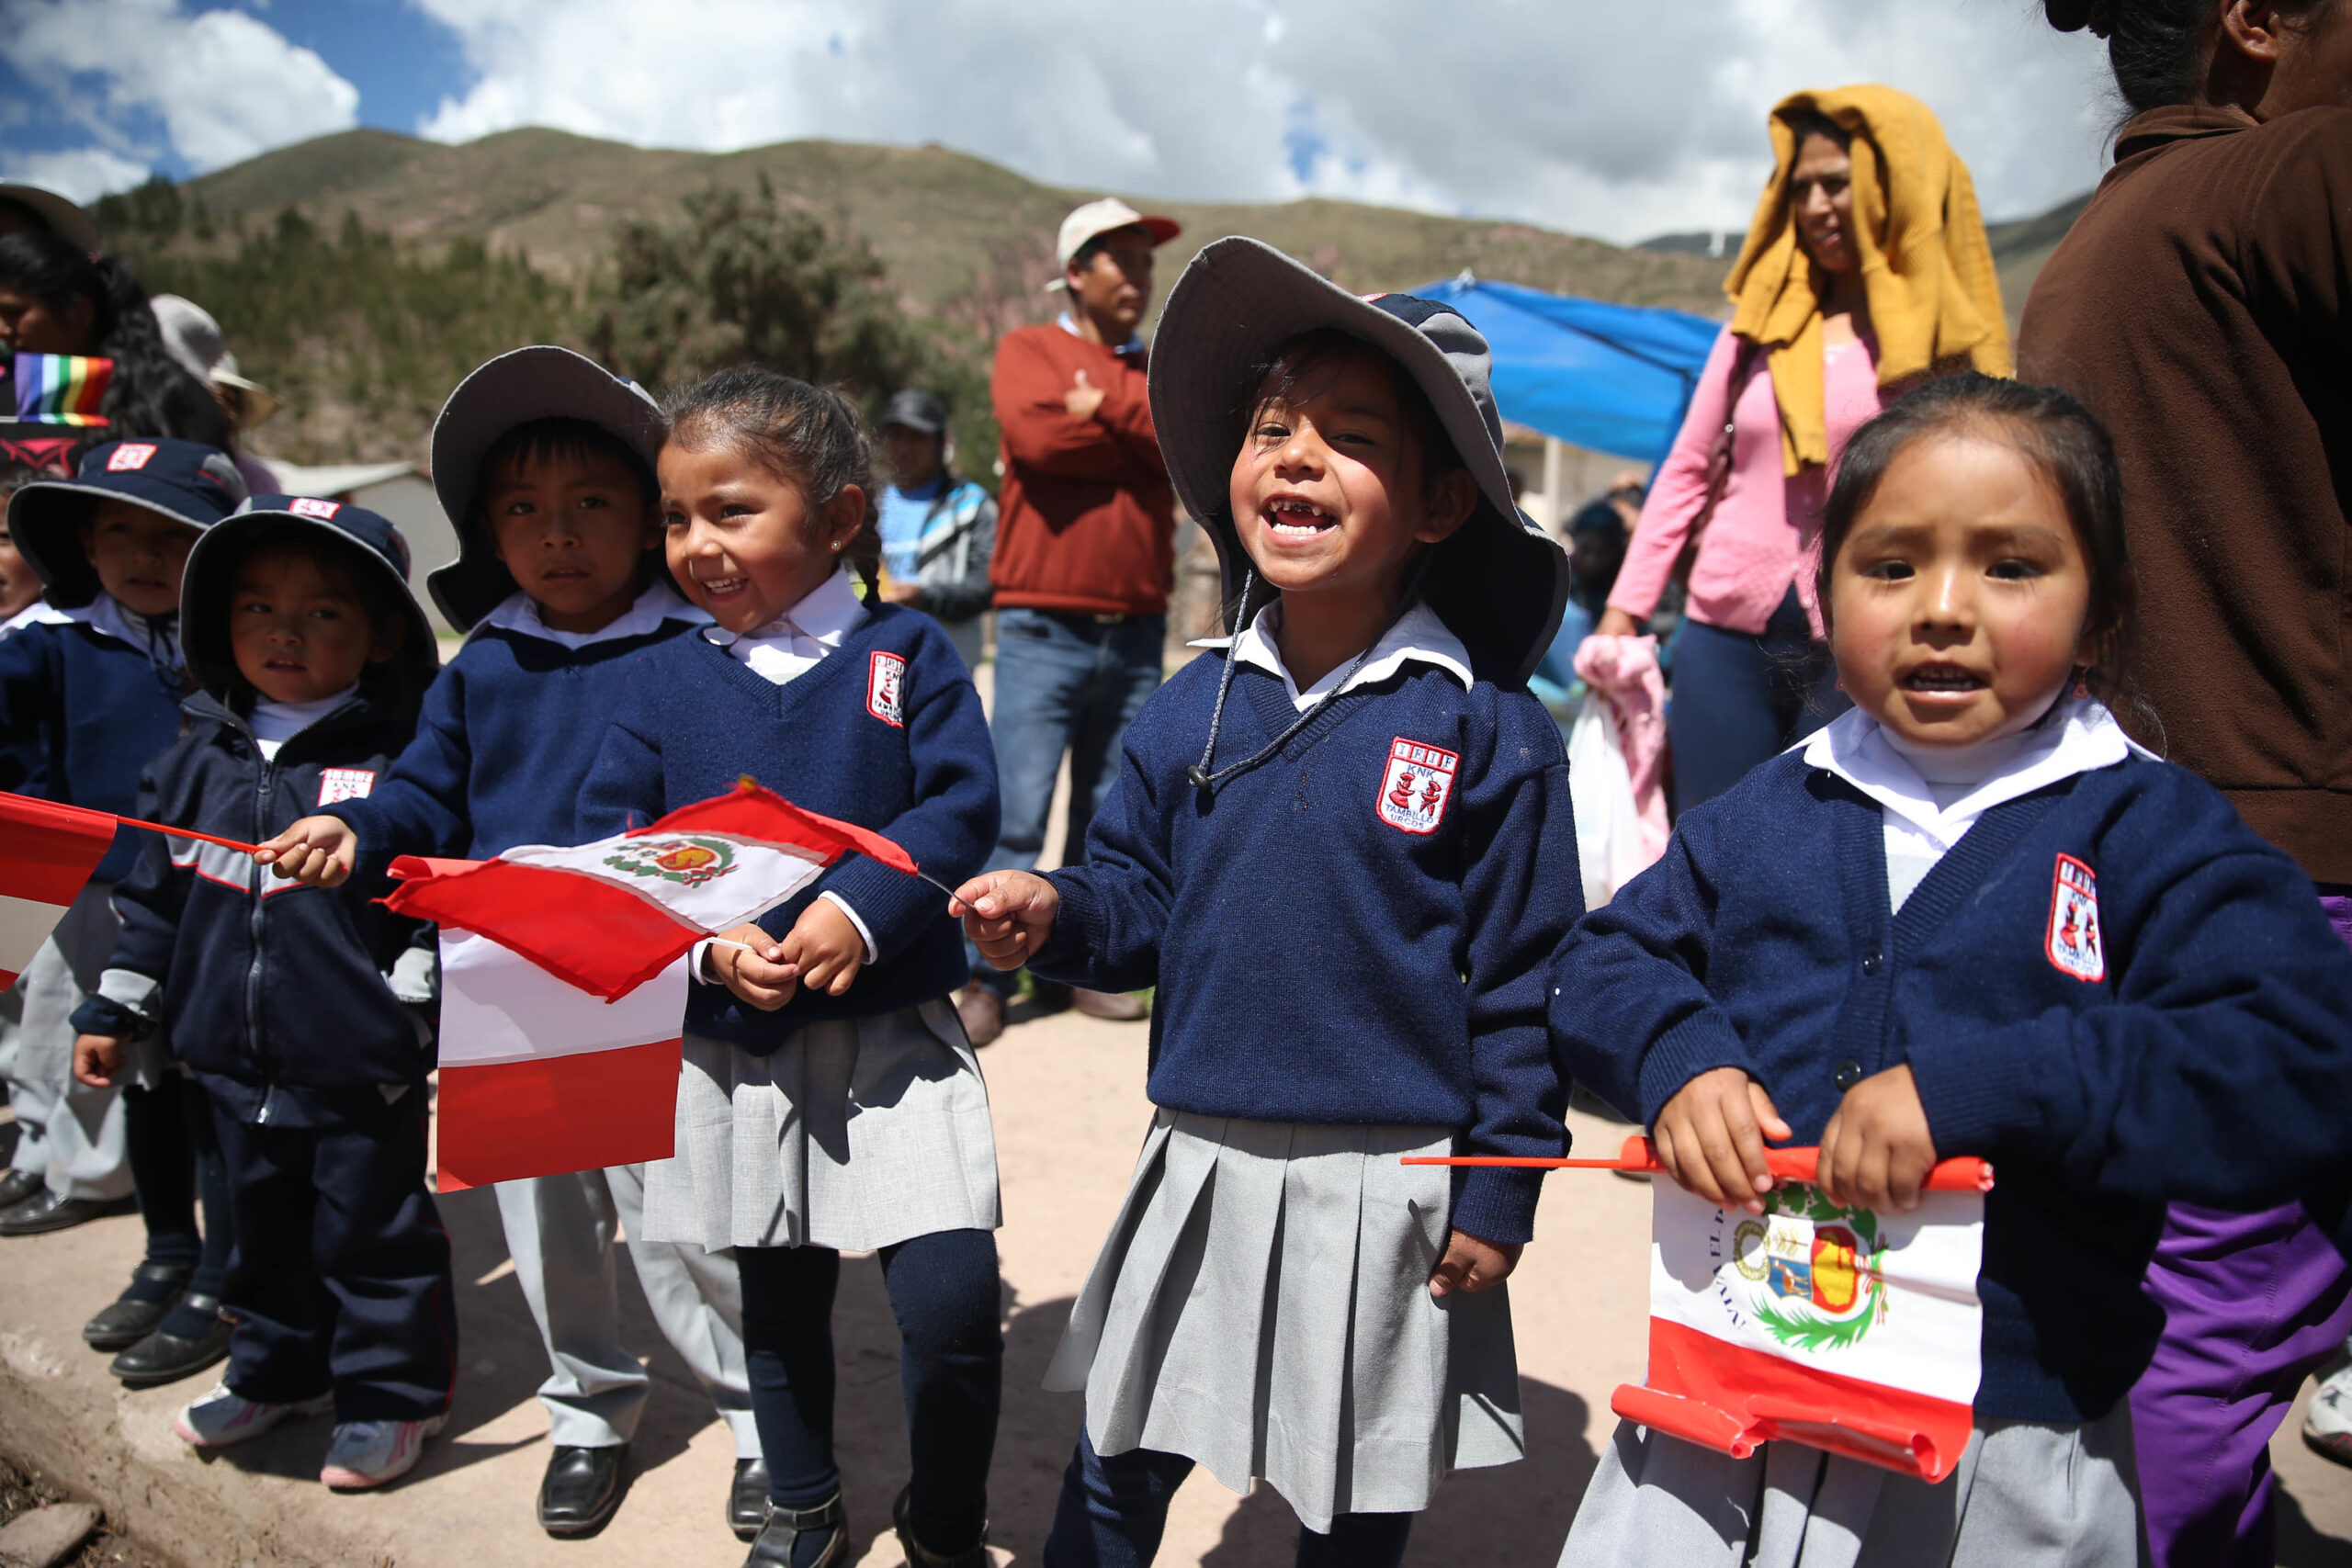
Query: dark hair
x=2156, y=48
x=1812, y=122
x=149, y=393
x=397, y=683
x=557, y=439
x=2065, y=441
x=808, y=436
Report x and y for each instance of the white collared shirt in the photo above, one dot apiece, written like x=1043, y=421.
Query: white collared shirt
x=782, y=651
x=519, y=613
x=276, y=723
x=1418, y=633
x=1068, y=323
x=1925, y=817
x=41, y=612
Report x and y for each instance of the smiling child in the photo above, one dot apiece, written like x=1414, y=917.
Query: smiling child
x=1968, y=918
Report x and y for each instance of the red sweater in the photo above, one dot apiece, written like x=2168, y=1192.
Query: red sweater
x=1086, y=521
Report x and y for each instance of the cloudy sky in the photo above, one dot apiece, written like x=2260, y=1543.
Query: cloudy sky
x=1586, y=115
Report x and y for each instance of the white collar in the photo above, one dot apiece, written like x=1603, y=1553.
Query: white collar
x=1068, y=323
x=39, y=612
x=108, y=615
x=519, y=613
x=824, y=614
x=2077, y=736
x=274, y=720
x=1418, y=634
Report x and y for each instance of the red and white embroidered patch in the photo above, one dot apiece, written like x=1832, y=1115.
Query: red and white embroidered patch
x=2074, y=945
x=344, y=784
x=130, y=457
x=886, y=689
x=1419, y=784
x=310, y=506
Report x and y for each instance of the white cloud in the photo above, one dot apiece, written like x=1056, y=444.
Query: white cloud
x=1609, y=119
x=222, y=85
x=83, y=174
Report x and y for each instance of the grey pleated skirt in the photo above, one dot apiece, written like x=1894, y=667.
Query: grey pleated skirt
x=2024, y=1494
x=856, y=1134
x=1262, y=1307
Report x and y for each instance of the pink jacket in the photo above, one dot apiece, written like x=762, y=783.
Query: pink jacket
x=1759, y=540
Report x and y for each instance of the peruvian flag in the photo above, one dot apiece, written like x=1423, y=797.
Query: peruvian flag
x=563, y=975
x=47, y=853
x=1846, y=1329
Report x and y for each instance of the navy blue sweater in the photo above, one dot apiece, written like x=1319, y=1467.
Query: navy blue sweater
x=1355, y=932
x=2210, y=1061
x=98, y=712
x=509, y=731
x=262, y=981
x=693, y=720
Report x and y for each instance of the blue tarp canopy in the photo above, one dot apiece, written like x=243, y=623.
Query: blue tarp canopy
x=1614, y=378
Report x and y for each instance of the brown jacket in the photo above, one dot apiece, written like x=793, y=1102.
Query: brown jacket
x=2199, y=306
x=1086, y=522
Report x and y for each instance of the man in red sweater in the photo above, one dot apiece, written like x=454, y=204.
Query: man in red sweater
x=1085, y=554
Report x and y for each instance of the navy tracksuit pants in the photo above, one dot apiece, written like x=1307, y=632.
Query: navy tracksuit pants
x=340, y=1276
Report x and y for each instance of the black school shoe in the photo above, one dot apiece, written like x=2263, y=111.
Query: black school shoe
x=773, y=1547
x=747, y=1499
x=582, y=1490
x=20, y=1185
x=154, y=1289
x=45, y=1211
x=922, y=1556
x=167, y=1356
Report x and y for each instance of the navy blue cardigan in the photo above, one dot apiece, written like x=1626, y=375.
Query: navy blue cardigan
x=920, y=770
x=1355, y=932
x=2210, y=1061
x=97, y=710
x=262, y=981
x=509, y=731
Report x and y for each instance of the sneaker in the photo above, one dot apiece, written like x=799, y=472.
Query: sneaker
x=2327, y=1426
x=370, y=1453
x=221, y=1418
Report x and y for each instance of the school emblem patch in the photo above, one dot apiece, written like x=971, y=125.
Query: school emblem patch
x=2075, y=945
x=344, y=784
x=688, y=862
x=130, y=458
x=1419, y=784
x=310, y=506
x=886, y=688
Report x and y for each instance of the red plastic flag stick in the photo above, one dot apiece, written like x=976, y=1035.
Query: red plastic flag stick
x=186, y=833
x=1965, y=1173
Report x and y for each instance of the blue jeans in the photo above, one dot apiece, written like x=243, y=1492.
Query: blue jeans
x=1064, y=682
x=1113, y=1511
x=1741, y=699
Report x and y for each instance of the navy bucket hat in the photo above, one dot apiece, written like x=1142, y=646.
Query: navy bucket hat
x=184, y=481
x=1500, y=583
x=517, y=388
x=369, y=542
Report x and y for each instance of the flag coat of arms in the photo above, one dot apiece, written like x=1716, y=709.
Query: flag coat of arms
x=47, y=853
x=1851, y=1330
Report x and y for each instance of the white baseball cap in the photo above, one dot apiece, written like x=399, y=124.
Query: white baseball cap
x=193, y=339
x=1099, y=217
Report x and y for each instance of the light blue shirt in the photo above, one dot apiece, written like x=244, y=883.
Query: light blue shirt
x=903, y=512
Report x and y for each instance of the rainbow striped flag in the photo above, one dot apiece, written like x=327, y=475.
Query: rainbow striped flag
x=60, y=389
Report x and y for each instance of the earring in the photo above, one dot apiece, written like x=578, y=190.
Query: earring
x=837, y=547
x=2082, y=681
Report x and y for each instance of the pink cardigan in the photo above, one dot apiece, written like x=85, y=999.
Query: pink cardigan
x=1759, y=540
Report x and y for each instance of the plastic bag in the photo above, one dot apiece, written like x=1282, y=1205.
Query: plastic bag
x=1610, y=845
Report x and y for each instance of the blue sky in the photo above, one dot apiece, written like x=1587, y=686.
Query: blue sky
x=1576, y=114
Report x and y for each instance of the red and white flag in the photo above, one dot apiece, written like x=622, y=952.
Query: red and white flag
x=1845, y=1330
x=47, y=853
x=609, y=916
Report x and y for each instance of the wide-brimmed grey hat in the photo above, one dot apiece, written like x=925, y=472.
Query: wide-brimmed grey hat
x=540, y=382
x=66, y=219
x=1499, y=583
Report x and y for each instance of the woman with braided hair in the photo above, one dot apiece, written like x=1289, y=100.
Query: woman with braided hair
x=2202, y=307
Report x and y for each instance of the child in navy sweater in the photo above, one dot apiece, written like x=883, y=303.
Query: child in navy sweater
x=1968, y=918
x=831, y=1099
x=91, y=686
x=310, y=656
x=546, y=461
x=1343, y=853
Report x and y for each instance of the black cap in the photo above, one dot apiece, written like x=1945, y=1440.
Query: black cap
x=917, y=410
x=206, y=583
x=184, y=481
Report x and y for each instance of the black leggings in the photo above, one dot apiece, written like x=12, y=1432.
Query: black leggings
x=174, y=1164
x=943, y=1292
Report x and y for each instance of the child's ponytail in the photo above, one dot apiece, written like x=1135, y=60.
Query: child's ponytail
x=809, y=437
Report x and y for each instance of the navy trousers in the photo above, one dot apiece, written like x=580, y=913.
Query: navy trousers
x=340, y=1276
x=1740, y=699
x=175, y=1165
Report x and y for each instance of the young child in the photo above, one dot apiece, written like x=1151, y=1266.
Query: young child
x=95, y=686
x=831, y=1101
x=546, y=460
x=1342, y=853
x=310, y=656
x=1968, y=918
